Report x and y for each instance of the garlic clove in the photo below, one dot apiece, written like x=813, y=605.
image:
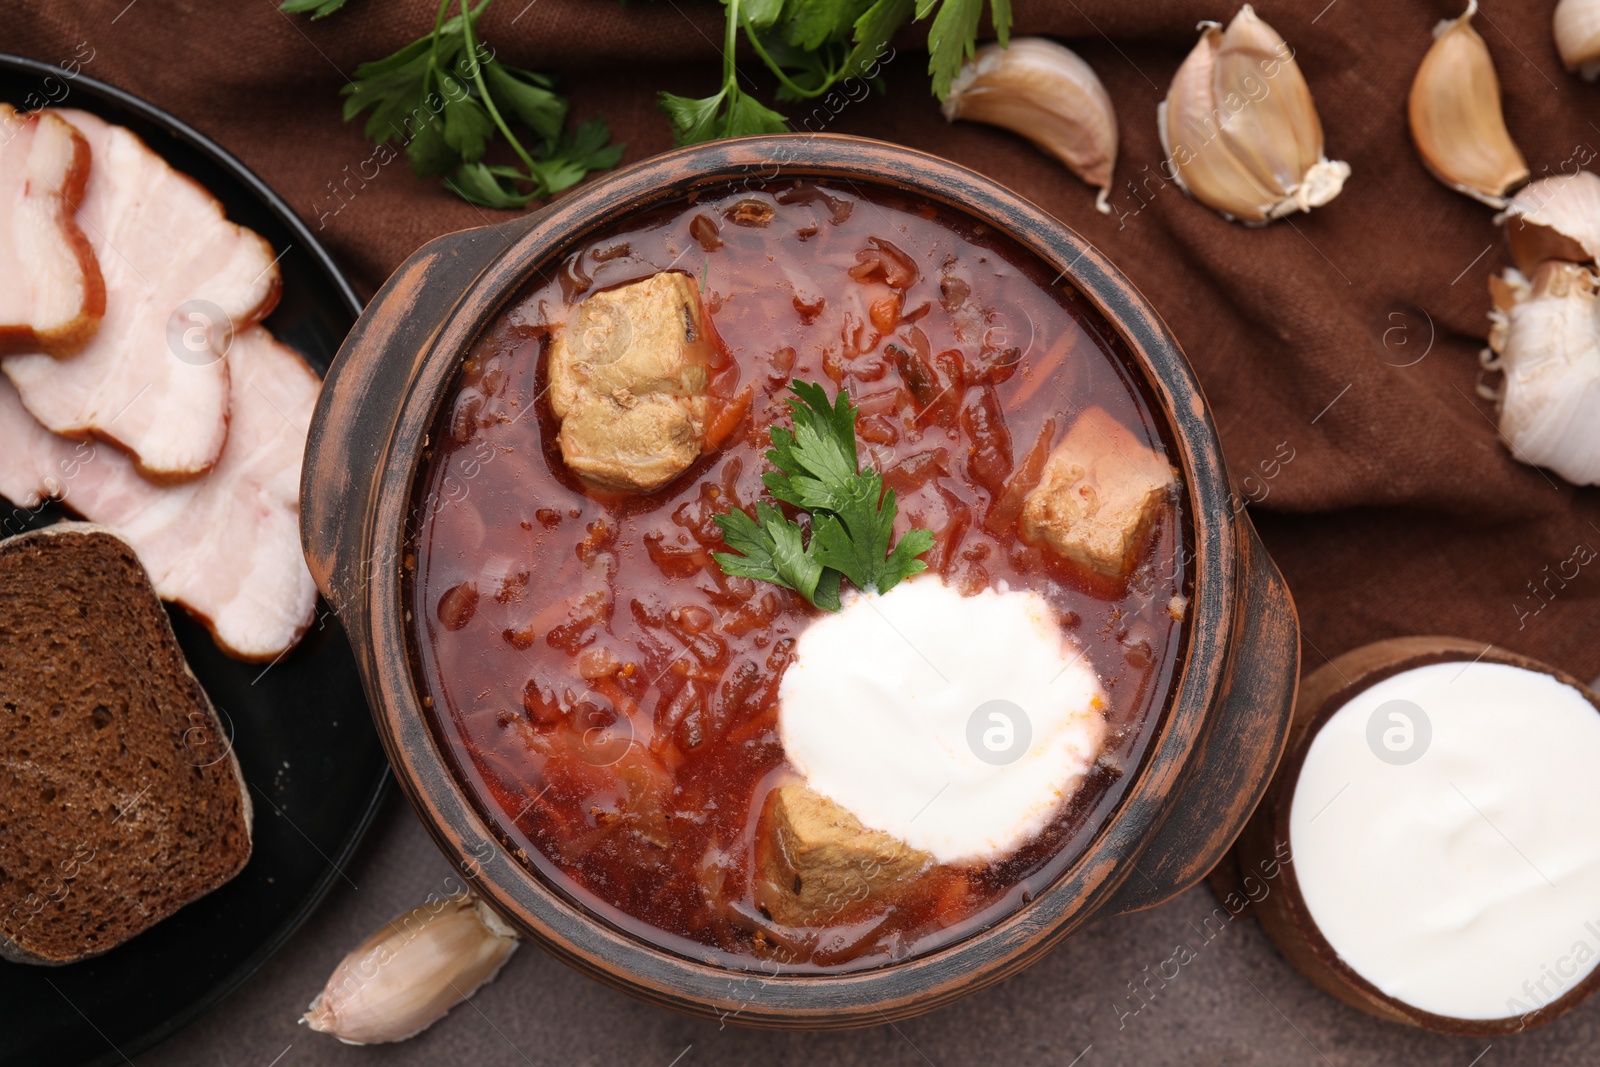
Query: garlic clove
x=1218, y=179
x=1554, y=218
x=1456, y=120
x=409, y=974
x=1048, y=94
x=1239, y=127
x=1576, y=28
x=1279, y=136
x=1549, y=352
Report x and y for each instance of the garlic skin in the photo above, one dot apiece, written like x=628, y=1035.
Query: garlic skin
x=1505, y=292
x=1456, y=121
x=1239, y=128
x=411, y=972
x=1547, y=345
x=1554, y=218
x=1048, y=94
x=1576, y=28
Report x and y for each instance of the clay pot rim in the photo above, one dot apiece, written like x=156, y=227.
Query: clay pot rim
x=587, y=940
x=1396, y=656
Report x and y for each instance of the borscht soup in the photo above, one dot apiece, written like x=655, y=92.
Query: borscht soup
x=796, y=574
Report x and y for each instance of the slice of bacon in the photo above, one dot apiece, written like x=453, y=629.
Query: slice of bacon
x=181, y=280
x=226, y=546
x=52, y=295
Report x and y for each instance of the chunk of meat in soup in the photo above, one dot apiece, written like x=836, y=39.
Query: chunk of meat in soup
x=1099, y=497
x=819, y=863
x=628, y=376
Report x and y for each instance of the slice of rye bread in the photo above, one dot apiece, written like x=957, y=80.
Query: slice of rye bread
x=120, y=797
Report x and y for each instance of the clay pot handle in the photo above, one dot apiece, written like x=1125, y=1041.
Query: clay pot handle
x=1243, y=742
x=362, y=397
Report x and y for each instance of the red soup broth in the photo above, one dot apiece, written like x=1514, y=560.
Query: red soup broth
x=609, y=696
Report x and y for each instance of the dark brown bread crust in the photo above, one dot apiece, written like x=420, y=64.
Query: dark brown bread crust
x=120, y=798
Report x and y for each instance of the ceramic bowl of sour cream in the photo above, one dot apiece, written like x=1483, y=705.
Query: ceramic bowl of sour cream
x=1438, y=806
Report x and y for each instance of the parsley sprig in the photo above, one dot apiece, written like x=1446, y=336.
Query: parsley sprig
x=811, y=46
x=730, y=112
x=852, y=516
x=317, y=9
x=445, y=97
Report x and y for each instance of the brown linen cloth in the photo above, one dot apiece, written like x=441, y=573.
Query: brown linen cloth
x=1347, y=338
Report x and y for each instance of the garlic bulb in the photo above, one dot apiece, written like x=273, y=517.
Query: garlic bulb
x=409, y=974
x=1576, y=28
x=1045, y=92
x=1456, y=121
x=1554, y=218
x=1239, y=128
x=1547, y=344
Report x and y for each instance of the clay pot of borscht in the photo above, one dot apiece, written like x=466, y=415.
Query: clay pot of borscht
x=756, y=791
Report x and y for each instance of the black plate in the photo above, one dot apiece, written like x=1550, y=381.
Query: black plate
x=301, y=728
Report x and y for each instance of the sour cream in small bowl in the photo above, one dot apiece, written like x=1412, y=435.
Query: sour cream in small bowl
x=1433, y=830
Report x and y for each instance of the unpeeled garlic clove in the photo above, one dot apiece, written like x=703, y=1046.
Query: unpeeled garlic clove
x=1456, y=121
x=1048, y=94
x=1547, y=344
x=1576, y=28
x=1554, y=218
x=1239, y=127
x=409, y=974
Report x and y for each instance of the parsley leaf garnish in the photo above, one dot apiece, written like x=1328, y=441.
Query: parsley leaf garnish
x=852, y=515
x=771, y=548
x=446, y=97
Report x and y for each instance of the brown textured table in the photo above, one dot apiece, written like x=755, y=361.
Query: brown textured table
x=1235, y=1004
x=1347, y=337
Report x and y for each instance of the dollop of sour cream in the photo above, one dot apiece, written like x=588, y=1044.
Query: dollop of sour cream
x=1445, y=831
x=957, y=724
